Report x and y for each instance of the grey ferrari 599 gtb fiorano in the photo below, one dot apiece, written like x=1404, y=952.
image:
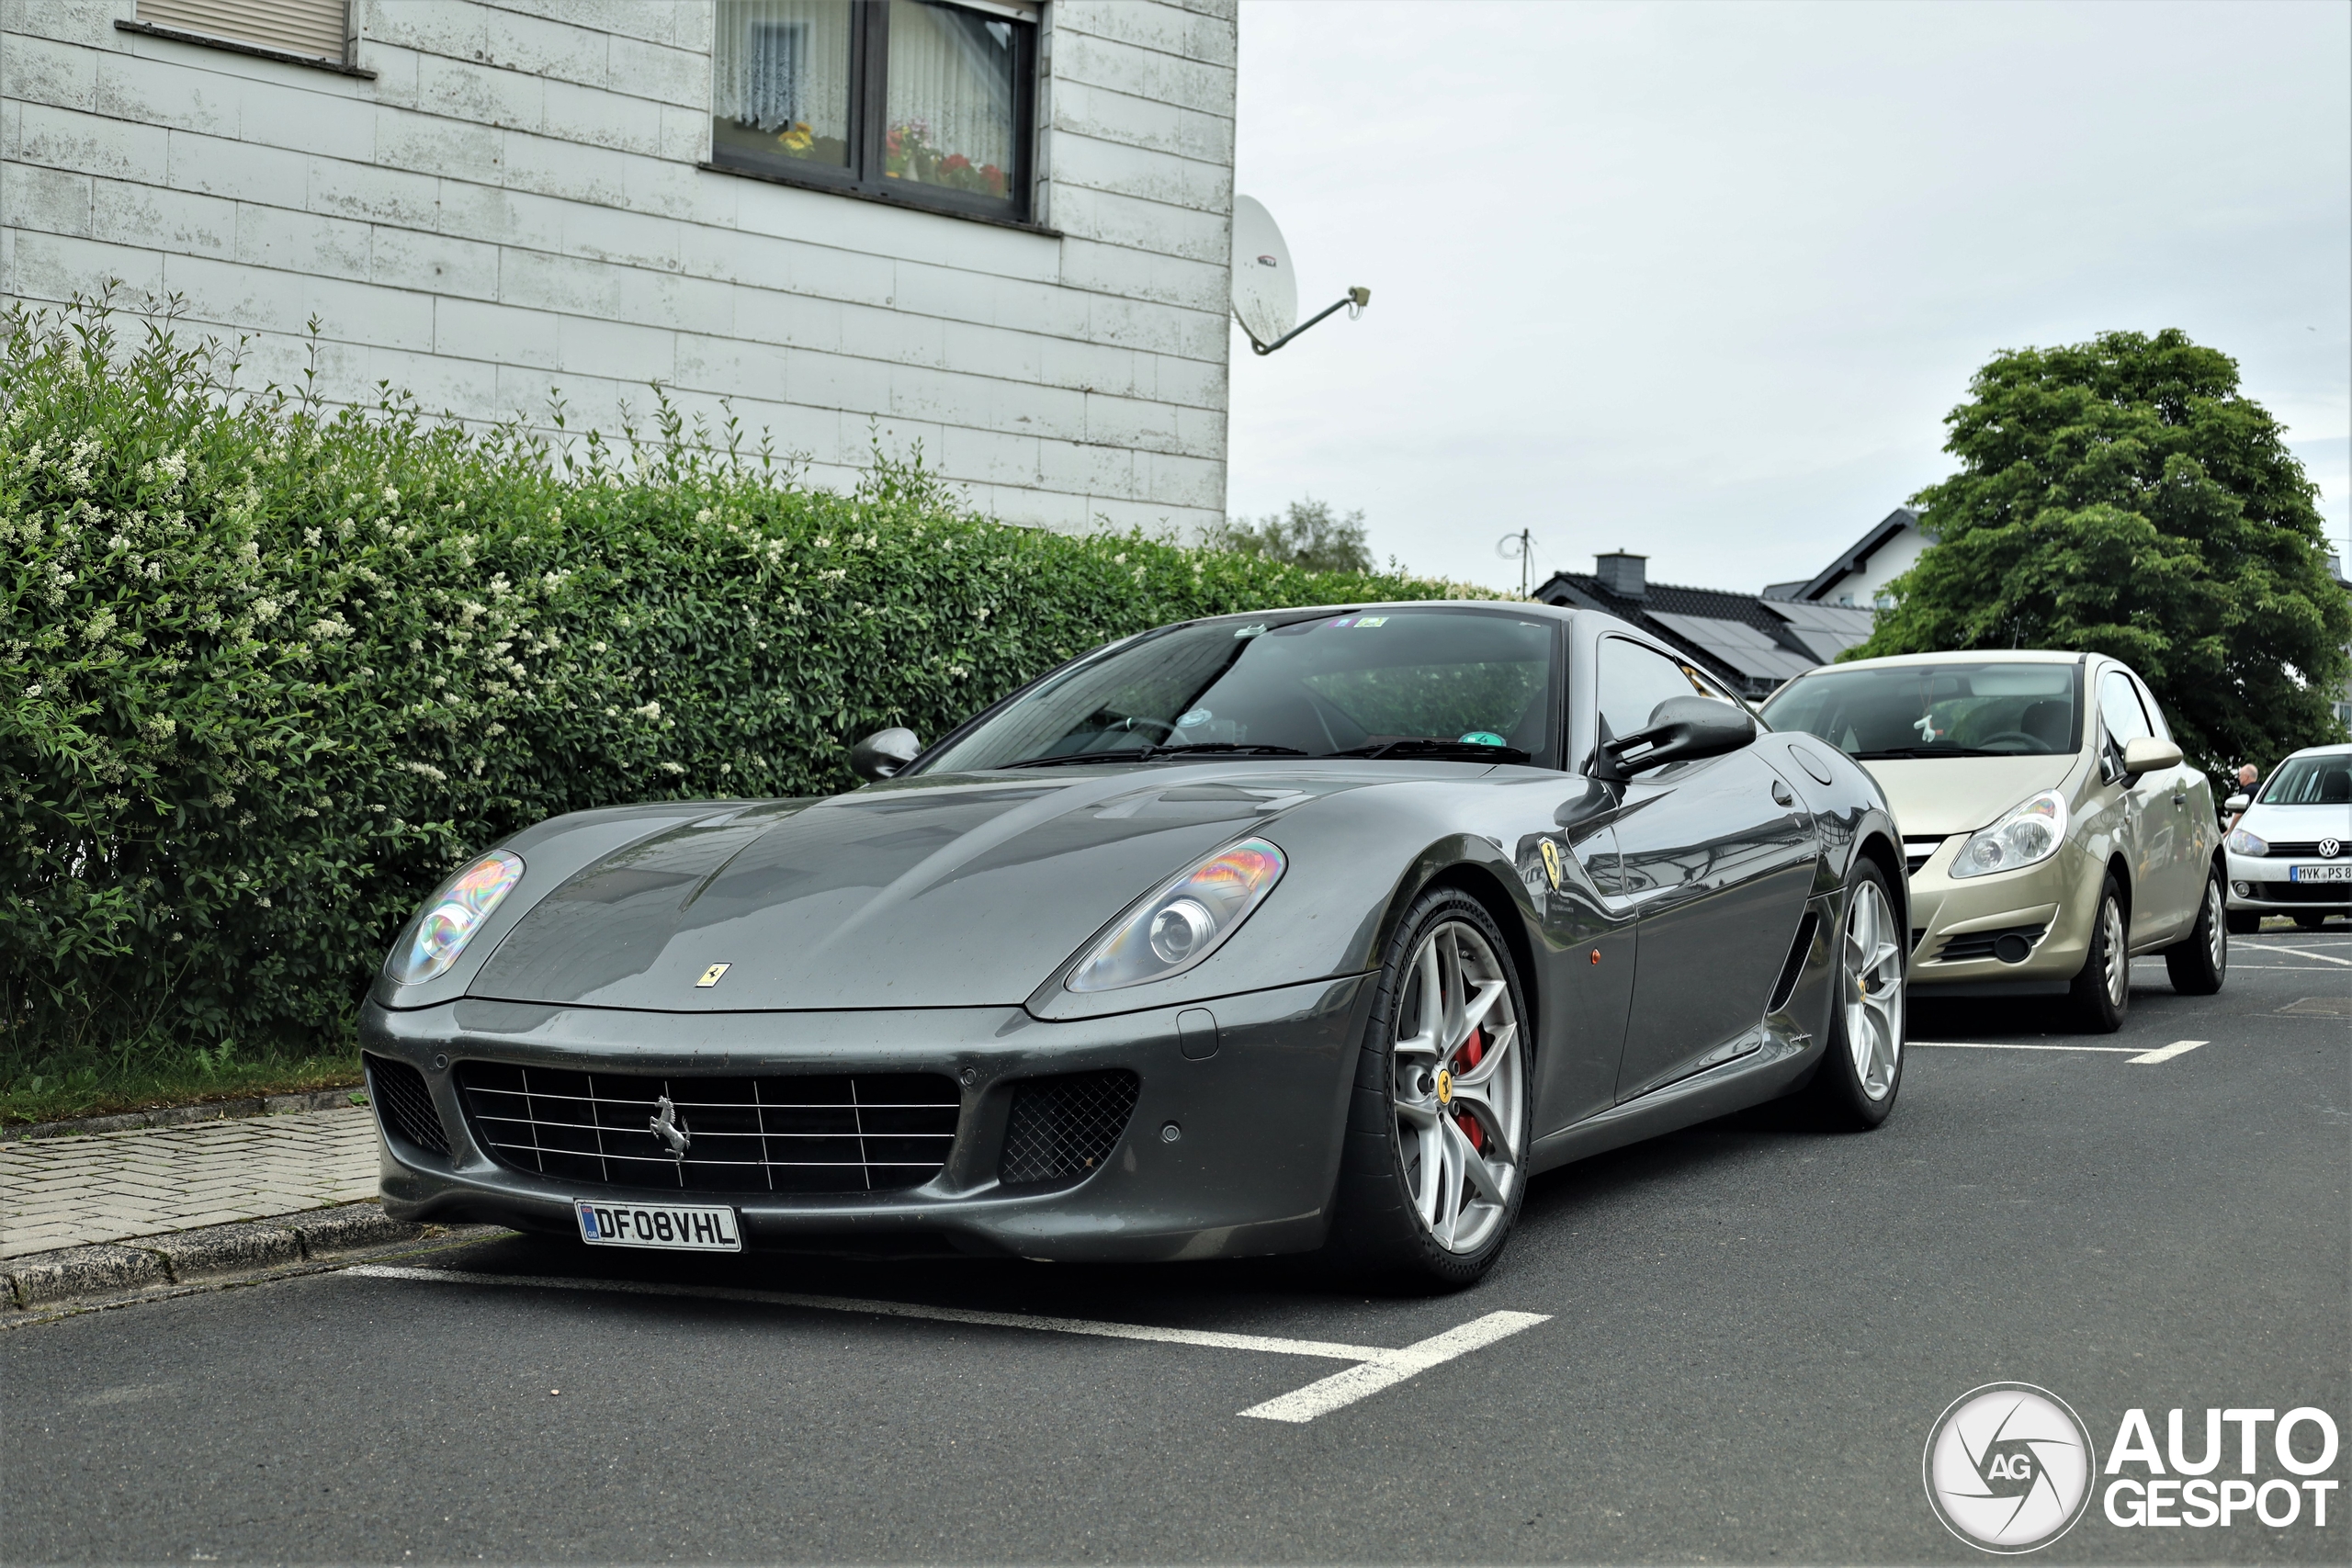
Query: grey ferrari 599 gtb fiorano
x=1266, y=934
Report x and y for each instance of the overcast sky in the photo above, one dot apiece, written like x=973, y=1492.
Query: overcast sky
x=1701, y=281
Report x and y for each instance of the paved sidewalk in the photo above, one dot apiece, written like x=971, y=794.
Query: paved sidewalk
x=74, y=1191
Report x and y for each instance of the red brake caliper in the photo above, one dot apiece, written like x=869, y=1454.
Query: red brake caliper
x=1472, y=1050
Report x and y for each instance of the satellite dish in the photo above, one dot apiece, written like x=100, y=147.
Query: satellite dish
x=1265, y=289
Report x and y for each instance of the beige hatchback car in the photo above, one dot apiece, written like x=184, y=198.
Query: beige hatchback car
x=2051, y=829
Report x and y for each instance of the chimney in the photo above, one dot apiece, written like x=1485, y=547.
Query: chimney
x=1626, y=576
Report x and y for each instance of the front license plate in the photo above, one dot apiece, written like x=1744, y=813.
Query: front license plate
x=2319, y=874
x=683, y=1227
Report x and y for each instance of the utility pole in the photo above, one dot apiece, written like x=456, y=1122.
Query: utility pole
x=1521, y=546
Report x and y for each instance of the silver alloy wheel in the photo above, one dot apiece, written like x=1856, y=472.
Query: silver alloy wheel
x=1873, y=995
x=1458, y=1084
x=2119, y=961
x=2217, y=925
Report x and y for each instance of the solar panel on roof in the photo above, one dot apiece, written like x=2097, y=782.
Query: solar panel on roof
x=1737, y=643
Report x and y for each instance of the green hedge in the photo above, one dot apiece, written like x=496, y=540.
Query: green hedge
x=268, y=668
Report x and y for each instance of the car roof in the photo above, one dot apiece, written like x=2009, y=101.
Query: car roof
x=2336, y=749
x=1972, y=656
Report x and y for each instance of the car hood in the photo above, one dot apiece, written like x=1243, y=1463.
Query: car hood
x=956, y=891
x=2298, y=824
x=1938, y=798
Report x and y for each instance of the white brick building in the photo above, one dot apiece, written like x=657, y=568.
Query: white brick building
x=482, y=201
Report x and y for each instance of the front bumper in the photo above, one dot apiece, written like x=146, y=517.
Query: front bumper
x=2260, y=884
x=1249, y=1170
x=2023, y=932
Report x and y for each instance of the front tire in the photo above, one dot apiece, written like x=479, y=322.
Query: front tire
x=1862, y=1066
x=2200, y=962
x=1435, y=1160
x=2101, y=992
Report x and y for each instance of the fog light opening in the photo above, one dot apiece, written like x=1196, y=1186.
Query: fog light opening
x=2243, y=889
x=2012, y=949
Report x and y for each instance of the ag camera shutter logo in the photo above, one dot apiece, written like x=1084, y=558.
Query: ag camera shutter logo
x=2008, y=1467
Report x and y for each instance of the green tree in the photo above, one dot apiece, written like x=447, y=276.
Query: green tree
x=2122, y=496
x=1306, y=535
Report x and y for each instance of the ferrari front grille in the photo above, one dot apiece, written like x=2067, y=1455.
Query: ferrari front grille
x=404, y=1106
x=2012, y=944
x=1066, y=1127
x=781, y=1133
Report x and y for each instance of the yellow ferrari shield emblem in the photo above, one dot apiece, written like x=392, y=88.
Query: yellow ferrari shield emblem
x=1551, y=853
x=710, y=976
x=1444, y=1086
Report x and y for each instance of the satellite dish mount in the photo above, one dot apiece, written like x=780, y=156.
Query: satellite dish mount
x=1265, y=291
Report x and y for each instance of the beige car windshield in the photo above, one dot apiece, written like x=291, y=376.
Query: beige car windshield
x=1993, y=709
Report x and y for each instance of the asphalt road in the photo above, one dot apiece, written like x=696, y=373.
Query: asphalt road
x=1750, y=1328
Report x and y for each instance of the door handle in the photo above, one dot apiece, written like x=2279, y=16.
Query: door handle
x=1781, y=794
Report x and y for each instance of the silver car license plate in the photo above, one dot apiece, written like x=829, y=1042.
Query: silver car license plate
x=683, y=1227
x=2320, y=873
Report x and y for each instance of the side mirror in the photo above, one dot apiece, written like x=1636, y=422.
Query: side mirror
x=881, y=754
x=2147, y=754
x=1682, y=729
x=2237, y=803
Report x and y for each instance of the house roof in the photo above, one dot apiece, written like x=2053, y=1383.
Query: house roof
x=1750, y=642
x=1854, y=560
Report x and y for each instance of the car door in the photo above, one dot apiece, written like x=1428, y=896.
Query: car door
x=2195, y=827
x=2153, y=827
x=1715, y=858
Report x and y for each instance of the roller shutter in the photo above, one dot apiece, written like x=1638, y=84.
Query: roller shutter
x=298, y=26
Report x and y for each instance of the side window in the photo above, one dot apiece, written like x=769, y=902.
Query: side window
x=1633, y=681
x=2119, y=709
x=2156, y=712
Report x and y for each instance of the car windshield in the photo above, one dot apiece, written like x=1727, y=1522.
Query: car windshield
x=2311, y=781
x=1431, y=682
x=1992, y=709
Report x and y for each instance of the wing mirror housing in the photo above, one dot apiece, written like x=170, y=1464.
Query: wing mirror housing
x=2237, y=803
x=2147, y=754
x=881, y=754
x=1682, y=729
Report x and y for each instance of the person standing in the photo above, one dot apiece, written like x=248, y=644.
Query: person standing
x=2248, y=776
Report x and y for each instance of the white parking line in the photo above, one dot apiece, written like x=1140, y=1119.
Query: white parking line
x=2165, y=1053
x=1377, y=1366
x=1971, y=1045
x=2323, y=957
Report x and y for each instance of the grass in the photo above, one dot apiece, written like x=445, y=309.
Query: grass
x=27, y=1097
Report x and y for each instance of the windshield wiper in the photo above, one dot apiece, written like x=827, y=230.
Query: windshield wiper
x=1911, y=751
x=1157, y=754
x=1468, y=750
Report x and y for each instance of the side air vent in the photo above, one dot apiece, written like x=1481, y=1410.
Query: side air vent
x=1064, y=1127
x=403, y=1105
x=1787, y=983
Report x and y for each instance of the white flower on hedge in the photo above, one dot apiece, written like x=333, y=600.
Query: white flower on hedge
x=959, y=672
x=650, y=710
x=391, y=496
x=266, y=608
x=312, y=538
x=672, y=768
x=33, y=690
x=837, y=574
x=99, y=625
x=1119, y=559
x=704, y=515
x=596, y=648
x=426, y=770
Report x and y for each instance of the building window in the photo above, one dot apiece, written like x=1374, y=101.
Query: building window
x=911, y=100
x=307, y=29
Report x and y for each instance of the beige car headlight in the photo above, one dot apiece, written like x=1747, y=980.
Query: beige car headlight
x=2028, y=833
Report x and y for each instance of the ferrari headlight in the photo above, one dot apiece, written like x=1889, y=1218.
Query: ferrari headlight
x=1182, y=921
x=452, y=915
x=2031, y=831
x=2247, y=843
